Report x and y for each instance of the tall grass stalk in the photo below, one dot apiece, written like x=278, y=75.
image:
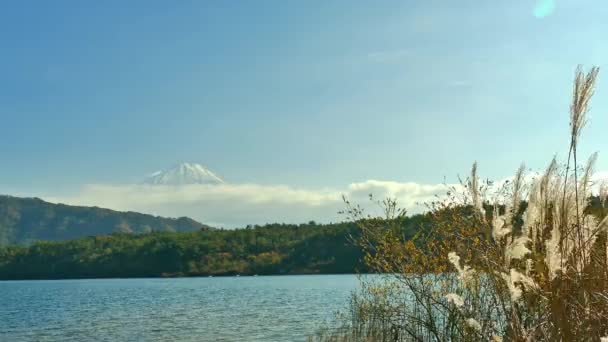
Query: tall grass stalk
x=527, y=262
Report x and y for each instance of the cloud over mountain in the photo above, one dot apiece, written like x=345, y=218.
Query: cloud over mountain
x=235, y=205
x=192, y=190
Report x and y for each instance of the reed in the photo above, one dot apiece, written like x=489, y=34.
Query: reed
x=526, y=262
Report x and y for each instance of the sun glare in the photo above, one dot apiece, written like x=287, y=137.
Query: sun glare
x=544, y=8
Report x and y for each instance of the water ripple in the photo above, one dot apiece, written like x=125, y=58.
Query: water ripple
x=274, y=308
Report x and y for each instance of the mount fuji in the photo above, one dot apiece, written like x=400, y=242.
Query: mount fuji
x=184, y=174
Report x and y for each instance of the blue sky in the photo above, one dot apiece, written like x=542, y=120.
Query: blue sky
x=310, y=94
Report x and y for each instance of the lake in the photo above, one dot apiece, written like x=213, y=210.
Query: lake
x=264, y=308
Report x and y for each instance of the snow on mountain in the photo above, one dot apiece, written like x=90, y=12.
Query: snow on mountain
x=184, y=174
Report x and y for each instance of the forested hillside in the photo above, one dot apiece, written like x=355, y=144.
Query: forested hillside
x=269, y=249
x=272, y=249
x=24, y=220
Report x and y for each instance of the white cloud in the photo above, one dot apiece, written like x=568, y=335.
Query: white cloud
x=409, y=194
x=233, y=205
x=236, y=205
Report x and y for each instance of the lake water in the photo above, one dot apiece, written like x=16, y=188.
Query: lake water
x=269, y=308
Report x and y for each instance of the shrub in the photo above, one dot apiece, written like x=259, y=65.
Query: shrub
x=523, y=261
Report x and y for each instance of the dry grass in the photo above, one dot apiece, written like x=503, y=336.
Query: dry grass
x=527, y=263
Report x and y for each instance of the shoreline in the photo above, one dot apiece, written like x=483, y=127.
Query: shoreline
x=187, y=277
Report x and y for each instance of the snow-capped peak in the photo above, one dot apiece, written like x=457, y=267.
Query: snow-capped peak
x=184, y=174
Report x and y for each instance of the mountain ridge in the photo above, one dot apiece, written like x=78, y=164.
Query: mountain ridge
x=24, y=220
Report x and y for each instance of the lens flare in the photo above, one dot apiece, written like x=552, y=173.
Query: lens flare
x=544, y=8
